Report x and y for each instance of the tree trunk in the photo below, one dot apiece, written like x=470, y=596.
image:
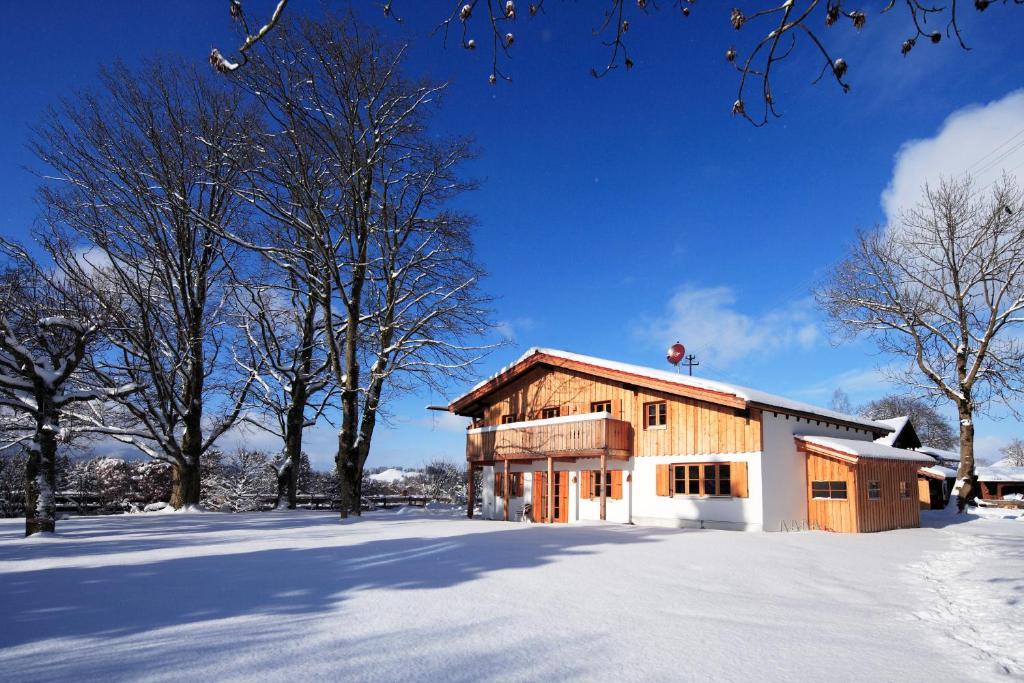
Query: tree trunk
x=282, y=476
x=350, y=482
x=41, y=481
x=184, y=485
x=294, y=425
x=966, y=473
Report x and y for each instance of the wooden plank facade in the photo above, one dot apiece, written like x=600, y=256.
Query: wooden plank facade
x=692, y=426
x=880, y=494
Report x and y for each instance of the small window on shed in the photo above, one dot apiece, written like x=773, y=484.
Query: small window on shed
x=904, y=489
x=828, y=490
x=874, y=491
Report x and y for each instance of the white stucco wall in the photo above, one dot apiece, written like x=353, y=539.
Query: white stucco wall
x=776, y=483
x=690, y=511
x=784, y=469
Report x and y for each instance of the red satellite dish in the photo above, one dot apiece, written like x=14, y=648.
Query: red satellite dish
x=676, y=353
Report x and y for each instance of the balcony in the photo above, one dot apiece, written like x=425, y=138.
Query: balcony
x=579, y=436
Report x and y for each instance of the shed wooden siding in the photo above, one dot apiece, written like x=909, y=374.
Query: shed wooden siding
x=891, y=512
x=692, y=426
x=858, y=513
x=831, y=514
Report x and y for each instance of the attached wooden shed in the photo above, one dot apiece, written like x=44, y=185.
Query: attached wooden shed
x=860, y=486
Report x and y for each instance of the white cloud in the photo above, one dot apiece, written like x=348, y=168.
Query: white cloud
x=982, y=140
x=708, y=322
x=510, y=330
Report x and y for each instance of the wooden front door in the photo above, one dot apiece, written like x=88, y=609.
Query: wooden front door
x=539, y=504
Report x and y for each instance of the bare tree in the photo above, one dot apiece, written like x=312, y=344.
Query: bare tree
x=841, y=401
x=46, y=332
x=778, y=29
x=931, y=427
x=365, y=187
x=131, y=169
x=944, y=289
x=287, y=356
x=1013, y=453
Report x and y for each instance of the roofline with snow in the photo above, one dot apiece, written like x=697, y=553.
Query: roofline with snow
x=720, y=393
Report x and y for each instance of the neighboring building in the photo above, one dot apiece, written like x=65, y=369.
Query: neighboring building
x=561, y=437
x=935, y=481
x=1001, y=481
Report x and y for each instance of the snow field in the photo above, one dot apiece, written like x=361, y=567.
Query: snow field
x=426, y=595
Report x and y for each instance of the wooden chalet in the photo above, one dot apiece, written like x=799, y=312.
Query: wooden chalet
x=561, y=437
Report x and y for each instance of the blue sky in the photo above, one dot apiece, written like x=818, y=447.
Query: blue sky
x=616, y=215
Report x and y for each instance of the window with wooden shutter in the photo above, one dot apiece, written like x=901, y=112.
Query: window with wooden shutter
x=517, y=484
x=616, y=493
x=740, y=488
x=662, y=475
x=550, y=412
x=586, y=487
x=708, y=479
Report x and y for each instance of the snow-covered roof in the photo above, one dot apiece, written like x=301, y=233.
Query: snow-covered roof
x=940, y=453
x=939, y=471
x=741, y=392
x=896, y=424
x=1001, y=471
x=393, y=475
x=865, y=449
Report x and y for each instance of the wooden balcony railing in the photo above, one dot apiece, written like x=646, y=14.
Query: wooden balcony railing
x=585, y=435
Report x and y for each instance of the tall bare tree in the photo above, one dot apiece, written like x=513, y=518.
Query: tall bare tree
x=131, y=170
x=46, y=331
x=1013, y=453
x=773, y=30
x=932, y=428
x=366, y=187
x=287, y=356
x=944, y=289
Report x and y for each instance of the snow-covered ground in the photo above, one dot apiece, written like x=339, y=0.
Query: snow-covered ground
x=426, y=595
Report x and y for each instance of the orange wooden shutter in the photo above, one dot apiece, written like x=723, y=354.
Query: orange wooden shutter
x=499, y=488
x=738, y=475
x=663, y=480
x=537, y=502
x=616, y=485
x=586, y=488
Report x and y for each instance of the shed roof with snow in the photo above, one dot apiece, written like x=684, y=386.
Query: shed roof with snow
x=853, y=450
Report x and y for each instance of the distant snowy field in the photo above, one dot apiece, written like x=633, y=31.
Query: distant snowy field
x=427, y=595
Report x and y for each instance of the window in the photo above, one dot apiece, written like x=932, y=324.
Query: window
x=601, y=407
x=703, y=479
x=874, y=491
x=549, y=412
x=904, y=490
x=655, y=414
x=499, y=484
x=508, y=419
x=595, y=484
x=516, y=485
x=834, y=490
x=592, y=487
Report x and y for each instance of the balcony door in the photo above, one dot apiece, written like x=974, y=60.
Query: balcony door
x=540, y=496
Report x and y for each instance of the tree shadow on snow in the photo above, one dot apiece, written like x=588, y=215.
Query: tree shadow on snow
x=113, y=600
